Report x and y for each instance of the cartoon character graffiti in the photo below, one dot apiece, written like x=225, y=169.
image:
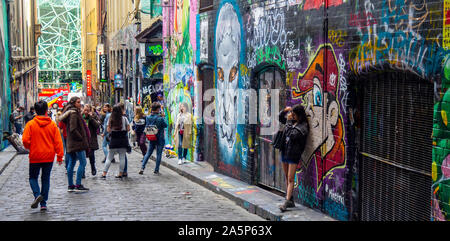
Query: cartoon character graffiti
x=317, y=88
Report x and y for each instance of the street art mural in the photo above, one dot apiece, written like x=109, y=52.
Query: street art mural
x=440, y=167
x=5, y=102
x=240, y=37
x=179, y=79
x=229, y=48
x=183, y=36
x=324, y=156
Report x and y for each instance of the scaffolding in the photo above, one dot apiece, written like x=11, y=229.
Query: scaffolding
x=60, y=42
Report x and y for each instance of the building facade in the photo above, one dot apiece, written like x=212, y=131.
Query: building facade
x=24, y=34
x=89, y=40
x=373, y=78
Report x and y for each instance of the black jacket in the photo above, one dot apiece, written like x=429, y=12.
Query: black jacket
x=294, y=138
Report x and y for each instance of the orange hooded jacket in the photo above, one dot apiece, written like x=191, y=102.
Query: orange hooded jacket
x=42, y=137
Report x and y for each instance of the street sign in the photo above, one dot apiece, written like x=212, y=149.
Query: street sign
x=88, y=83
x=103, y=70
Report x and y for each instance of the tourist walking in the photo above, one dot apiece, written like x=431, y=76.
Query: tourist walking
x=293, y=141
x=77, y=143
x=183, y=133
x=93, y=124
x=42, y=137
x=156, y=119
x=118, y=126
x=138, y=128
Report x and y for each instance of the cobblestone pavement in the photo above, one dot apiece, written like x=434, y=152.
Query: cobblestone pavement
x=138, y=197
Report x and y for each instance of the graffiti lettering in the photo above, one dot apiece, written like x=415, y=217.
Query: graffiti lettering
x=269, y=30
x=337, y=37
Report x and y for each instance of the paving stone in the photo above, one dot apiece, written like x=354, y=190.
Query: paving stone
x=139, y=197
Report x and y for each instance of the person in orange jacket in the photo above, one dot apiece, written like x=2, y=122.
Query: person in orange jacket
x=42, y=137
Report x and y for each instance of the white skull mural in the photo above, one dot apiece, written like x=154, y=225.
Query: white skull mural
x=227, y=52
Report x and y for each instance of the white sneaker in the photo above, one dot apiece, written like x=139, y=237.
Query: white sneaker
x=184, y=161
x=180, y=161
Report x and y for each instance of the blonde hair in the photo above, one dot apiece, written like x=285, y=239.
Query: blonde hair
x=138, y=113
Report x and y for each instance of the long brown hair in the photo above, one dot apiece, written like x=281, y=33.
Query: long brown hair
x=139, y=114
x=115, y=121
x=71, y=103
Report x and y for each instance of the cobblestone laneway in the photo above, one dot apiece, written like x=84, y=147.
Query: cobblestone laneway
x=137, y=197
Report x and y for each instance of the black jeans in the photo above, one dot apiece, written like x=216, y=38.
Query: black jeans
x=91, y=157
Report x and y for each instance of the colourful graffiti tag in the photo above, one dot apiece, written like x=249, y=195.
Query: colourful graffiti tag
x=316, y=4
x=155, y=50
x=446, y=25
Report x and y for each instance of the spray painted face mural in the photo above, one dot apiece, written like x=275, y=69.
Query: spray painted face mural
x=318, y=88
x=227, y=49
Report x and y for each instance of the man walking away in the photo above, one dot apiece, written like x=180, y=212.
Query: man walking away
x=43, y=139
x=155, y=119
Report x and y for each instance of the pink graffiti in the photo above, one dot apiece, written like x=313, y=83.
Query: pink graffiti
x=316, y=4
x=362, y=20
x=446, y=167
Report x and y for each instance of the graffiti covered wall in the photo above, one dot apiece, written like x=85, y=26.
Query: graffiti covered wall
x=5, y=99
x=321, y=47
x=179, y=25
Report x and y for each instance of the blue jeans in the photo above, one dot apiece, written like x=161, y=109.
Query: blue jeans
x=182, y=153
x=105, y=145
x=159, y=149
x=18, y=128
x=45, y=180
x=81, y=156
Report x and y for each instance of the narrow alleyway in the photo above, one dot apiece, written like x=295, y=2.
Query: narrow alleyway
x=137, y=197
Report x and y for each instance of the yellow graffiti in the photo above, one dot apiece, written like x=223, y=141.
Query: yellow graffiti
x=337, y=37
x=444, y=117
x=221, y=183
x=434, y=171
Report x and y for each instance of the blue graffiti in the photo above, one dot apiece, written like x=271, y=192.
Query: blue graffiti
x=396, y=40
x=307, y=195
x=335, y=210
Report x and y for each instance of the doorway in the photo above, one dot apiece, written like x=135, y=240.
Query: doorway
x=396, y=147
x=271, y=82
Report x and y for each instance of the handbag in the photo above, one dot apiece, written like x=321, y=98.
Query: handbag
x=278, y=140
x=150, y=132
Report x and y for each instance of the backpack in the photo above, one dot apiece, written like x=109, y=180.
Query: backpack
x=150, y=132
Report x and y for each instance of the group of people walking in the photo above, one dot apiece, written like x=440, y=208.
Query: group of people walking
x=73, y=136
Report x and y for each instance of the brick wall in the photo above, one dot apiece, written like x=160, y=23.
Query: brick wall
x=322, y=52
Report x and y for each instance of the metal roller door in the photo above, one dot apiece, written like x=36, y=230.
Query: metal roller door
x=396, y=147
